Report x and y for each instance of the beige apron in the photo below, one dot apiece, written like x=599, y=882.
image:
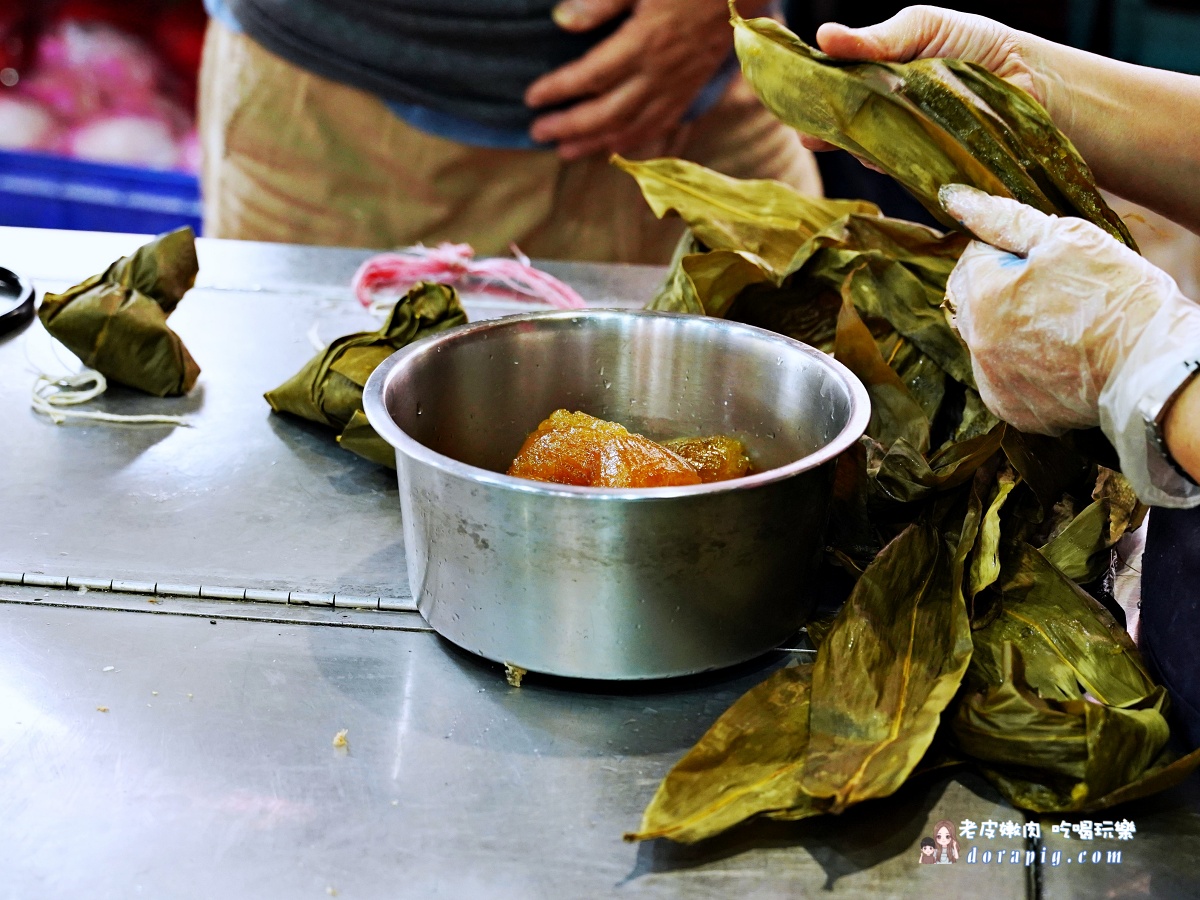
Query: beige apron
x=290, y=156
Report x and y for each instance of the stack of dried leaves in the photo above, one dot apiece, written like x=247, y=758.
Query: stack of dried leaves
x=968, y=636
x=926, y=123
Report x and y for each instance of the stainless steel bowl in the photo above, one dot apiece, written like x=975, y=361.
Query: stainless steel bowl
x=613, y=583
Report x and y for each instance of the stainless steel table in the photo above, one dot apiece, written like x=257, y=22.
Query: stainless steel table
x=188, y=617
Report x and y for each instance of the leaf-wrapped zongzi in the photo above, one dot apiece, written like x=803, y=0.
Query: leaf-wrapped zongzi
x=116, y=322
x=328, y=390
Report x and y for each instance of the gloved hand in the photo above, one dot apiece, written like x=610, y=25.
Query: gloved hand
x=1068, y=328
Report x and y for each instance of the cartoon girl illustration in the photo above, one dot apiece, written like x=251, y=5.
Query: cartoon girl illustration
x=928, y=852
x=946, y=846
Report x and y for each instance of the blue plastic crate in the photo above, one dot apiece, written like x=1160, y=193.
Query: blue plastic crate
x=41, y=191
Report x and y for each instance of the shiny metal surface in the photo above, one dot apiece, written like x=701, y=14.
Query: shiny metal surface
x=251, y=610
x=608, y=583
x=455, y=785
x=213, y=775
x=243, y=498
x=1162, y=859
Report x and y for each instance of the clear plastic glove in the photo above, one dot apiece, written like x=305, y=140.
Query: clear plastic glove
x=1070, y=329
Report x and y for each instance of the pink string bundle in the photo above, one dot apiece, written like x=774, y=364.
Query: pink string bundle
x=385, y=277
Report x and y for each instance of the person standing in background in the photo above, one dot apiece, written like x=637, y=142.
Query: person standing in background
x=386, y=122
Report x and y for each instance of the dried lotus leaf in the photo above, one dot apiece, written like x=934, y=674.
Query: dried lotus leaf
x=927, y=123
x=748, y=764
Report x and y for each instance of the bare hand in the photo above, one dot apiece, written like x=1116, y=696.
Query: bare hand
x=928, y=32
x=635, y=86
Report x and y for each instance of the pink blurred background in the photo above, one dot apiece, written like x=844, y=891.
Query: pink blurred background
x=111, y=82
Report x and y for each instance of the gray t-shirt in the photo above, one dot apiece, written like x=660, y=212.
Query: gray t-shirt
x=467, y=58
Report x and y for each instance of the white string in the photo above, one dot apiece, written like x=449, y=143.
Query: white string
x=51, y=395
x=314, y=337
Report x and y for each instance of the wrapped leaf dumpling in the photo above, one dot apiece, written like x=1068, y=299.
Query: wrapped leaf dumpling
x=328, y=390
x=116, y=322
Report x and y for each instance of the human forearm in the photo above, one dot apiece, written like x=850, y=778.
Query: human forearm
x=1138, y=128
x=1181, y=430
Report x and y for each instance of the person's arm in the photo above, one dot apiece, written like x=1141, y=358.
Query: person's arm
x=1181, y=430
x=636, y=86
x=1138, y=128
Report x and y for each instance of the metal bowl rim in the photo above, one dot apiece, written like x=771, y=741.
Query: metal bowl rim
x=383, y=423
